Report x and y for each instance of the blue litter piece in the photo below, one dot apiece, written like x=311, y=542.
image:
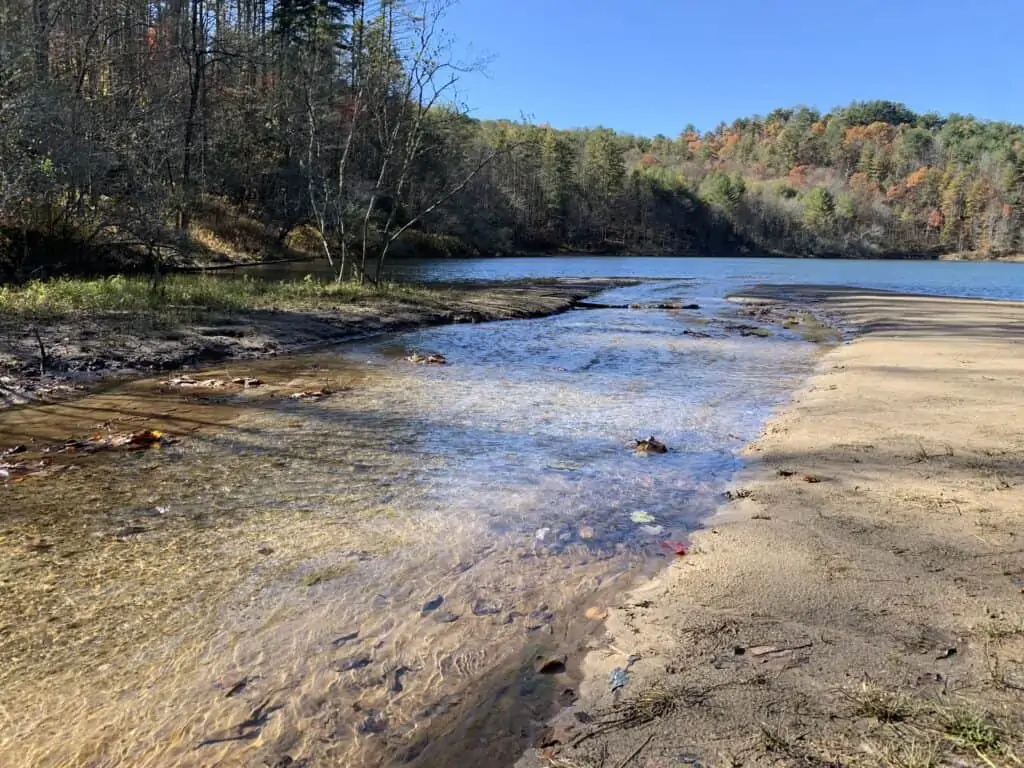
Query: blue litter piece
x=617, y=679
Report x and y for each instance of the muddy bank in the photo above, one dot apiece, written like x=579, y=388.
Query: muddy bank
x=860, y=600
x=80, y=349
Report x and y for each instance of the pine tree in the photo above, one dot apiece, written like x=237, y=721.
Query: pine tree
x=820, y=210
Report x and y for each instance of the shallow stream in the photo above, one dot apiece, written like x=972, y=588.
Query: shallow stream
x=376, y=577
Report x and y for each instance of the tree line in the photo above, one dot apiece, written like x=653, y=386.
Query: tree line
x=149, y=129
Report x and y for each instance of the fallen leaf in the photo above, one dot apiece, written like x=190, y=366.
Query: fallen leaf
x=675, y=547
x=650, y=445
x=145, y=439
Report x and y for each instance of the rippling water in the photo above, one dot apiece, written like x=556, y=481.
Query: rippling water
x=503, y=483
x=532, y=421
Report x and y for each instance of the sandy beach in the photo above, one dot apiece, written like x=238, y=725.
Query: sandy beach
x=859, y=600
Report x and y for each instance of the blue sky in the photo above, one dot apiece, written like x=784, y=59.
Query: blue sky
x=652, y=66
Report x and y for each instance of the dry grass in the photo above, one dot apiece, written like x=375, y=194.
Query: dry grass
x=222, y=230
x=883, y=705
x=920, y=733
x=911, y=752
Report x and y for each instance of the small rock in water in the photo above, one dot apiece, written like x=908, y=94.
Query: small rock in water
x=652, y=530
x=650, y=445
x=129, y=531
x=340, y=641
x=395, y=676
x=375, y=722
x=482, y=608
x=434, y=358
x=596, y=613
x=356, y=662
x=446, y=617
x=432, y=605
x=543, y=613
x=311, y=395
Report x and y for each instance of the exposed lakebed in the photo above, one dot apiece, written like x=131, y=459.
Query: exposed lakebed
x=369, y=577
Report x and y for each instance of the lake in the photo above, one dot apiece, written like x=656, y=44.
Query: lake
x=978, y=279
x=991, y=280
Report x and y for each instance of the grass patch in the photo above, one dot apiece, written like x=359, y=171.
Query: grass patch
x=884, y=706
x=915, y=753
x=927, y=733
x=970, y=730
x=184, y=293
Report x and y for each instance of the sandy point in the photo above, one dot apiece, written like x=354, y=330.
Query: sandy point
x=860, y=599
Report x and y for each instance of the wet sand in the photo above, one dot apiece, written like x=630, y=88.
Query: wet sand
x=860, y=601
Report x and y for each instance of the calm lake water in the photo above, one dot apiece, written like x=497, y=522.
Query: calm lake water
x=381, y=568
x=717, y=275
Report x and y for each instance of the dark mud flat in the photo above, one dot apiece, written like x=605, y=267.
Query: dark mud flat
x=84, y=348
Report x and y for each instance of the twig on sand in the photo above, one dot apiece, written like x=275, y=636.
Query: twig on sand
x=632, y=755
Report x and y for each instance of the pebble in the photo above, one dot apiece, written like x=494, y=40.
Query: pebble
x=482, y=608
x=357, y=662
x=432, y=605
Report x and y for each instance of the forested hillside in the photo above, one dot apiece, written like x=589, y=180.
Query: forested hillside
x=151, y=129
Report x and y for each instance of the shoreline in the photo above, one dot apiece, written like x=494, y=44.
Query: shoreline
x=88, y=349
x=858, y=599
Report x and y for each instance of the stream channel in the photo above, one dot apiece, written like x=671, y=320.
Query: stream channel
x=391, y=575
